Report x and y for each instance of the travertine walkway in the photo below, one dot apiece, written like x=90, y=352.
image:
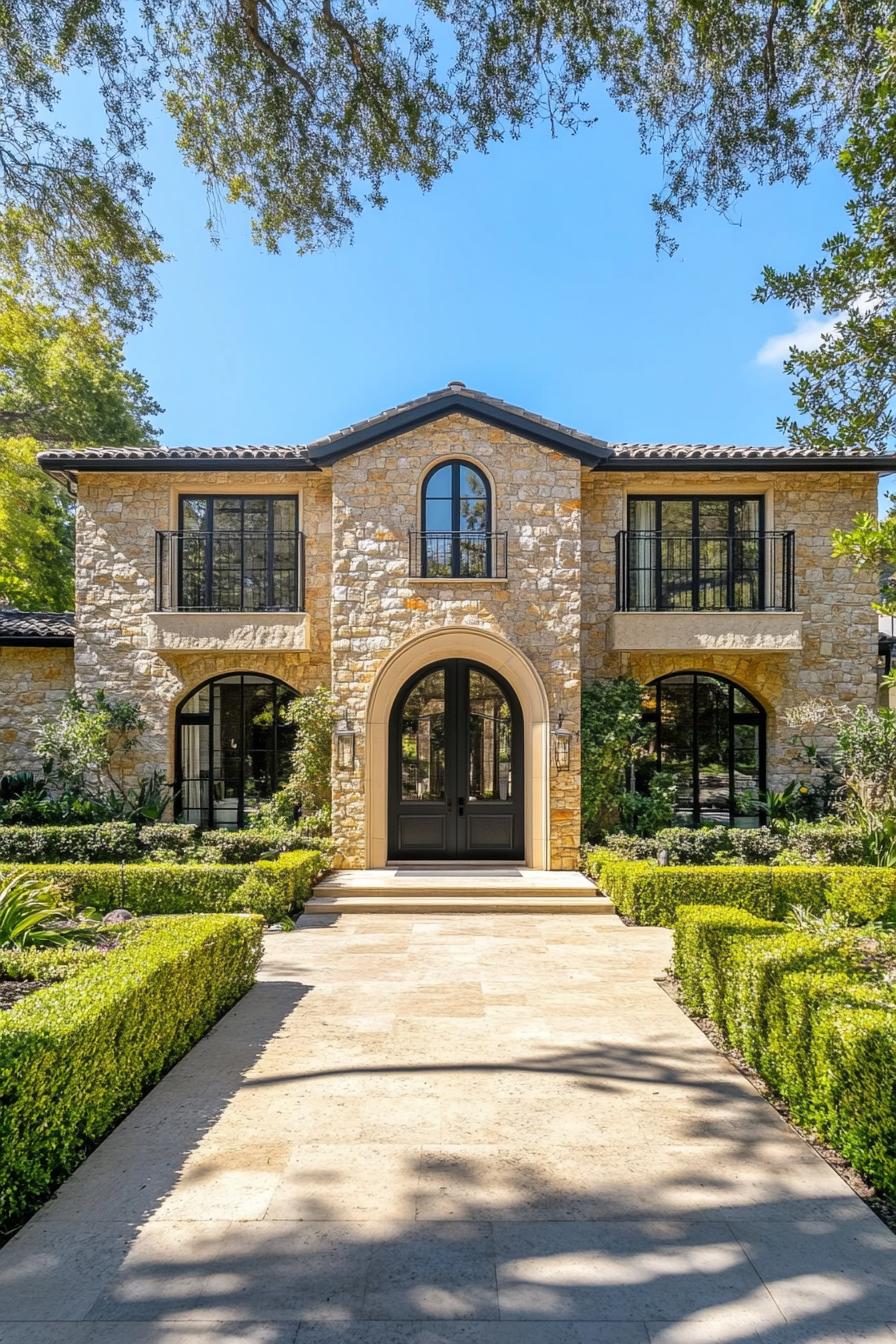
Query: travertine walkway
x=483, y=1130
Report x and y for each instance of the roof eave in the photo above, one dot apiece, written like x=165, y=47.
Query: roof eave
x=37, y=641
x=68, y=468
x=455, y=403
x=873, y=464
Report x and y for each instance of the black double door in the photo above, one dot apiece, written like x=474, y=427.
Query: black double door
x=456, y=766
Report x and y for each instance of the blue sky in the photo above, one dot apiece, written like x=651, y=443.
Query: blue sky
x=529, y=273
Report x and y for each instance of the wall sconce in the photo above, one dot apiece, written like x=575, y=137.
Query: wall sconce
x=562, y=743
x=345, y=745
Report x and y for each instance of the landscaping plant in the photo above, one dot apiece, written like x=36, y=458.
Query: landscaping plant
x=31, y=916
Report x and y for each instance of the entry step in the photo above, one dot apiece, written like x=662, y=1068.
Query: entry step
x=489, y=889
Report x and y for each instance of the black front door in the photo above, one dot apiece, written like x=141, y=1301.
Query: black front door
x=456, y=766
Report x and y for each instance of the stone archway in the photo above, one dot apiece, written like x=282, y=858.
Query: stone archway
x=491, y=650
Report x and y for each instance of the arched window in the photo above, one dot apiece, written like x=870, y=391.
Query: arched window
x=456, y=523
x=232, y=749
x=711, y=735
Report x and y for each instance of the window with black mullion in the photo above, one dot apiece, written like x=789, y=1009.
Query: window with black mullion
x=238, y=553
x=707, y=554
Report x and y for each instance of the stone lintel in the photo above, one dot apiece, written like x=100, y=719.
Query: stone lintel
x=705, y=631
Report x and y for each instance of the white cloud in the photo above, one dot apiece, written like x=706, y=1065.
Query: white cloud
x=806, y=335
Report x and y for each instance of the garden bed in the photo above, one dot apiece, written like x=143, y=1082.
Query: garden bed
x=77, y=1055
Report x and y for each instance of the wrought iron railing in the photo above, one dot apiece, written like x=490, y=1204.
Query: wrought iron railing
x=260, y=570
x=457, y=555
x=713, y=571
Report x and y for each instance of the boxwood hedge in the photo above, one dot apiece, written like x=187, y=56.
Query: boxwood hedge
x=804, y=1012
x=651, y=894
x=105, y=842
x=272, y=888
x=76, y=1056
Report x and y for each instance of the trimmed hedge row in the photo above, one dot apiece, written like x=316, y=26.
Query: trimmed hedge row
x=272, y=888
x=806, y=1016
x=75, y=1057
x=651, y=894
x=107, y=841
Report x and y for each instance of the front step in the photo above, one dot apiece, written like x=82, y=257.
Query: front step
x=443, y=889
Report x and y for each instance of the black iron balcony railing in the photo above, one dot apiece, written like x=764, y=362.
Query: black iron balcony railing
x=457, y=555
x=261, y=570
x=743, y=571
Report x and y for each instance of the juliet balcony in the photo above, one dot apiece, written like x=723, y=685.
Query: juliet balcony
x=465, y=554
x=712, y=592
x=229, y=591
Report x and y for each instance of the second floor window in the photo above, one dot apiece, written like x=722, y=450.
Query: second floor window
x=702, y=553
x=238, y=553
x=456, y=522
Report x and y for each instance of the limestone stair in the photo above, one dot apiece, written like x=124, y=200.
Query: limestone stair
x=457, y=889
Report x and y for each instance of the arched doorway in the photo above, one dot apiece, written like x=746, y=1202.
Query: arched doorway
x=456, y=788
x=232, y=748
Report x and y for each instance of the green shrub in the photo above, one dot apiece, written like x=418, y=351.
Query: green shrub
x=827, y=841
x=652, y=894
x=75, y=1057
x=626, y=846
x=47, y=963
x=233, y=846
x=861, y=895
x=688, y=844
x=273, y=889
x=172, y=837
x=106, y=842
x=804, y=1012
x=754, y=844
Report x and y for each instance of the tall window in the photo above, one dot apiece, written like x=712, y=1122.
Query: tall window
x=238, y=553
x=711, y=735
x=697, y=553
x=233, y=749
x=456, y=523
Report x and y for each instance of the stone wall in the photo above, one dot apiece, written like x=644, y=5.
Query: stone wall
x=35, y=682
x=117, y=518
x=839, y=655
x=377, y=606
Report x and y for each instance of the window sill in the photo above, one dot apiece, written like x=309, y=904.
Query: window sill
x=227, y=632
x=705, y=631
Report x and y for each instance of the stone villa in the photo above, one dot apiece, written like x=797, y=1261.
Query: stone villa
x=456, y=569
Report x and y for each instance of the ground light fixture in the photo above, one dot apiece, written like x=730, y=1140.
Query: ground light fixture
x=562, y=743
x=345, y=745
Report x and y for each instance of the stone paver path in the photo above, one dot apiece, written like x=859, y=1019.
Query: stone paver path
x=483, y=1130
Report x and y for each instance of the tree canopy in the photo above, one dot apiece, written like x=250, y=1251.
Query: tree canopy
x=62, y=379
x=303, y=110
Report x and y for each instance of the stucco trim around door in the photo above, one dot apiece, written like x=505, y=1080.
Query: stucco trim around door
x=491, y=650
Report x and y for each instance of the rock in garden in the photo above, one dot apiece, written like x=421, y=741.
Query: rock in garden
x=117, y=917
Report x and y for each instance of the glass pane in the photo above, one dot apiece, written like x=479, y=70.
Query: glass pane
x=423, y=740
x=438, y=515
x=676, y=577
x=473, y=555
x=677, y=738
x=743, y=703
x=712, y=749
x=193, y=794
x=194, y=513
x=746, y=770
x=642, y=515
x=712, y=516
x=285, y=515
x=255, y=514
x=675, y=516
x=439, y=484
x=489, y=729
x=228, y=514
x=746, y=515
x=473, y=511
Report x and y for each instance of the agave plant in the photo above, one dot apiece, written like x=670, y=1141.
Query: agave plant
x=31, y=917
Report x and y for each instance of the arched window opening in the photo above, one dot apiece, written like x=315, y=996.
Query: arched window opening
x=233, y=749
x=710, y=734
x=456, y=509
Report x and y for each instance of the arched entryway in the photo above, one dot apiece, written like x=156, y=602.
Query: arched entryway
x=496, y=655
x=456, y=763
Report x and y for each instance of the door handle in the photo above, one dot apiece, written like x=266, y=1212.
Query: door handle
x=460, y=806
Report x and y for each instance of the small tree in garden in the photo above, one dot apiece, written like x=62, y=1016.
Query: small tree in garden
x=613, y=738
x=309, y=785
x=86, y=746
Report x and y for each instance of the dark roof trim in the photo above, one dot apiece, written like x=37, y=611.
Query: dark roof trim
x=37, y=641
x=750, y=462
x=67, y=468
x=457, y=403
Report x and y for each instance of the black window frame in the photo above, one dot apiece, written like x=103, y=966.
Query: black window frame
x=208, y=593
x=695, y=501
x=756, y=717
x=183, y=719
x=456, y=464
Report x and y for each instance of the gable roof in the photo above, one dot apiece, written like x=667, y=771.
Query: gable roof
x=36, y=627
x=457, y=399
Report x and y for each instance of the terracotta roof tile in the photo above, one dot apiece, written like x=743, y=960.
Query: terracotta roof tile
x=22, y=626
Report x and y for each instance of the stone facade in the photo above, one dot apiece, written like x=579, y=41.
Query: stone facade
x=117, y=519
x=364, y=610
x=35, y=682
x=377, y=606
x=839, y=629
